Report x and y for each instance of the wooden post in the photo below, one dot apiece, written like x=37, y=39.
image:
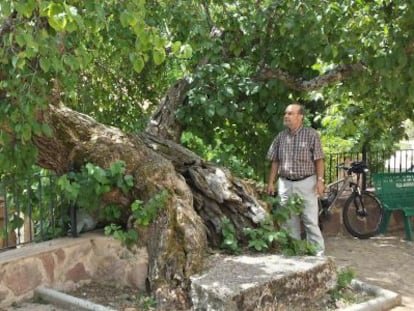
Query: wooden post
x=6, y=240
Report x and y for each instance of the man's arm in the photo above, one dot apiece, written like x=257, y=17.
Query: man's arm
x=272, y=177
x=320, y=170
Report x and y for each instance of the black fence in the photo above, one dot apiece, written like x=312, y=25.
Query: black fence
x=399, y=161
x=33, y=209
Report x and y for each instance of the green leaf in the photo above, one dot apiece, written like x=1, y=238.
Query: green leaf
x=176, y=47
x=117, y=168
x=6, y=9
x=185, y=51
x=158, y=55
x=221, y=110
x=129, y=180
x=71, y=61
x=18, y=61
x=137, y=62
x=24, y=8
x=21, y=39
x=57, y=16
x=44, y=64
x=229, y=91
x=128, y=19
x=210, y=111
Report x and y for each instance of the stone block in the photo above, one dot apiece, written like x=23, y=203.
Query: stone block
x=266, y=282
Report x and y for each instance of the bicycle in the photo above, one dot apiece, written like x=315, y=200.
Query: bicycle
x=362, y=212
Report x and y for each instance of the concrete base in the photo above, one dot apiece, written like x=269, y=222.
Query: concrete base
x=271, y=282
x=383, y=299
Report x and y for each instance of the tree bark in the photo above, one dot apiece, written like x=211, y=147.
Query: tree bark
x=201, y=194
x=163, y=122
x=330, y=77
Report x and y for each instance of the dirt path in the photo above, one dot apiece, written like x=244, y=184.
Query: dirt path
x=385, y=261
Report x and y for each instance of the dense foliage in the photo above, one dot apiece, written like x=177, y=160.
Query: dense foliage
x=114, y=60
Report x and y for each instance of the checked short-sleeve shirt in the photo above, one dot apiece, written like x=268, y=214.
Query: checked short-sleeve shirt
x=297, y=152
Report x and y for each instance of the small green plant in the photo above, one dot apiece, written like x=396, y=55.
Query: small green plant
x=147, y=303
x=262, y=238
x=293, y=247
x=127, y=237
x=144, y=215
x=230, y=242
x=280, y=214
x=345, y=276
x=266, y=236
x=88, y=185
x=111, y=211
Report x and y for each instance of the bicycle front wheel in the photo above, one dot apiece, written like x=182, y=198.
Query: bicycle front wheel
x=362, y=215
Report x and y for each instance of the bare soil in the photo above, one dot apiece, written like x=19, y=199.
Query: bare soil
x=118, y=298
x=123, y=298
x=385, y=261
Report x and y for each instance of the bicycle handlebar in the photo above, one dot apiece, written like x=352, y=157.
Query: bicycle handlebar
x=358, y=167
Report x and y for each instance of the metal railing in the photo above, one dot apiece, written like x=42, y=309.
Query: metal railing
x=32, y=210
x=399, y=161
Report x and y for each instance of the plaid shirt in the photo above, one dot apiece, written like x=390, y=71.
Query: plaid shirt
x=296, y=152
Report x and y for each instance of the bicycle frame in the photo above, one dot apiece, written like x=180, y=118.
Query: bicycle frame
x=346, y=181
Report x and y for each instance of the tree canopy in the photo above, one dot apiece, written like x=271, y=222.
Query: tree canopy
x=350, y=63
x=100, y=81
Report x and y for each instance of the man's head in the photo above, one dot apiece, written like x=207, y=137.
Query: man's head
x=294, y=115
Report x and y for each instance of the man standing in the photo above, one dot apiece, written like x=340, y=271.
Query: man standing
x=297, y=162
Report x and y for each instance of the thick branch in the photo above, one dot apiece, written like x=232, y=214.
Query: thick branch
x=7, y=26
x=163, y=122
x=337, y=74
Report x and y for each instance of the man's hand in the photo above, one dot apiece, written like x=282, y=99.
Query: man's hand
x=271, y=190
x=319, y=188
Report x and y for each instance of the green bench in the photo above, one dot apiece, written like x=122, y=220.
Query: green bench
x=396, y=193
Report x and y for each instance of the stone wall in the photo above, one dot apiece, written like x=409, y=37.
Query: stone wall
x=68, y=263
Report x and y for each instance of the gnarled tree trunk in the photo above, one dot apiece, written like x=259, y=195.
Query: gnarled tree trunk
x=201, y=194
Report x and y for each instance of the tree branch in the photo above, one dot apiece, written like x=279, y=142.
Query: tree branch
x=7, y=25
x=337, y=74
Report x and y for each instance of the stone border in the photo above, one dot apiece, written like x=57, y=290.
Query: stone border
x=384, y=299
x=67, y=301
x=67, y=263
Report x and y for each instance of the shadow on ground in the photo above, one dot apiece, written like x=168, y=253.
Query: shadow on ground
x=386, y=261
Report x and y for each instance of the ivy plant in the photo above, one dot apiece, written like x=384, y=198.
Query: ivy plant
x=270, y=235
x=86, y=187
x=230, y=242
x=143, y=214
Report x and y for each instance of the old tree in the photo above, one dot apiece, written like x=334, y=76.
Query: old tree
x=100, y=81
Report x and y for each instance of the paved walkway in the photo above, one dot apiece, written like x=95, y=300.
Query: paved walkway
x=386, y=261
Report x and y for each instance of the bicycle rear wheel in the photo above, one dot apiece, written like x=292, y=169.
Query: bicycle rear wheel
x=362, y=215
